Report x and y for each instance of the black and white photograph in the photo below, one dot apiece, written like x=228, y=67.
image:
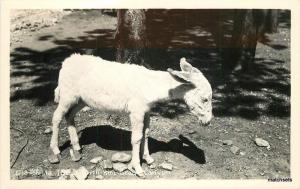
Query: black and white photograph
x=147, y=94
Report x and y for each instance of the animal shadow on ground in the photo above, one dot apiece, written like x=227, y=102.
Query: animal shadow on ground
x=110, y=138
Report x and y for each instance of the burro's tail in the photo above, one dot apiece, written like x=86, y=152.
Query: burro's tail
x=56, y=94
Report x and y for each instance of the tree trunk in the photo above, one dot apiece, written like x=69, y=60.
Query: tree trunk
x=249, y=27
x=131, y=37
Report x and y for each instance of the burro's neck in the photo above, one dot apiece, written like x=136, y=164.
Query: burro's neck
x=172, y=88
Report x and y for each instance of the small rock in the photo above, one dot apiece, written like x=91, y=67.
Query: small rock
x=86, y=108
x=81, y=173
x=237, y=130
x=121, y=157
x=262, y=143
x=96, y=159
x=50, y=173
x=242, y=153
x=48, y=130
x=235, y=149
x=227, y=142
x=107, y=164
x=45, y=162
x=166, y=166
x=39, y=171
x=152, y=166
x=65, y=172
x=119, y=167
x=191, y=132
x=168, y=160
x=99, y=177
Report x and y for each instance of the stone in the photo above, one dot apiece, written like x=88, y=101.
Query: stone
x=166, y=166
x=119, y=167
x=227, y=142
x=81, y=173
x=50, y=173
x=86, y=108
x=48, y=130
x=235, y=149
x=53, y=158
x=96, y=160
x=262, y=143
x=121, y=157
x=65, y=172
x=107, y=164
x=152, y=166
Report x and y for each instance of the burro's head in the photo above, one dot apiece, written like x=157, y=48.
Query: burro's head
x=197, y=94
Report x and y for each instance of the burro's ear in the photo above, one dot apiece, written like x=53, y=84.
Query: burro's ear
x=185, y=76
x=187, y=67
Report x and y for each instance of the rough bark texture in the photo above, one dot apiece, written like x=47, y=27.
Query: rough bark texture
x=249, y=27
x=131, y=37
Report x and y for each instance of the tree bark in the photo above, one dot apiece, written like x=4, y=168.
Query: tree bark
x=249, y=27
x=131, y=37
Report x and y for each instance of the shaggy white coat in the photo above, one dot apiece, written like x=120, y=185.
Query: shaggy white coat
x=111, y=86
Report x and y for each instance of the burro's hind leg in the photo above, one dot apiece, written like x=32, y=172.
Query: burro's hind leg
x=146, y=155
x=75, y=152
x=61, y=110
x=136, y=119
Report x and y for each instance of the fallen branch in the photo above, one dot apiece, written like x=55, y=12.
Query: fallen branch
x=19, y=153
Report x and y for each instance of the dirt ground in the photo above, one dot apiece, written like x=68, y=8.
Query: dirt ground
x=255, y=105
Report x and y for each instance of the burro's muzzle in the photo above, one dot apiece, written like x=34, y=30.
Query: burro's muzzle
x=203, y=112
x=205, y=119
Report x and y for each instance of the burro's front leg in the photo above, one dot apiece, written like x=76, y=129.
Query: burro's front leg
x=146, y=155
x=137, y=126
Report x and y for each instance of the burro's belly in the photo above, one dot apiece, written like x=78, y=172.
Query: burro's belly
x=106, y=101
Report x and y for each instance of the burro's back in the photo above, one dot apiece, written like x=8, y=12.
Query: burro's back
x=86, y=80
x=111, y=85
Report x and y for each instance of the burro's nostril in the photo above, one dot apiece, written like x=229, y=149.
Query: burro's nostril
x=203, y=123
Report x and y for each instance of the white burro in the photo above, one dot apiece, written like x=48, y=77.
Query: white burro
x=86, y=80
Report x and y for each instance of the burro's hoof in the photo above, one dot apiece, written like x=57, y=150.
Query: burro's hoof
x=75, y=155
x=149, y=160
x=138, y=170
x=53, y=158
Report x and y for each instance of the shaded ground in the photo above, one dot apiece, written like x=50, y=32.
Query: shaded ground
x=251, y=105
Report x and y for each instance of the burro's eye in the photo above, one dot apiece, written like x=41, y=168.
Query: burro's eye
x=205, y=100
